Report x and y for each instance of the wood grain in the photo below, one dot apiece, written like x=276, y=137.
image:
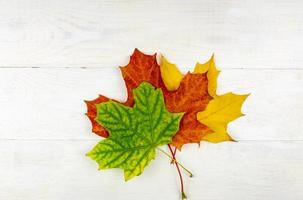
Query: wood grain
x=68, y=33
x=48, y=103
x=60, y=170
x=54, y=54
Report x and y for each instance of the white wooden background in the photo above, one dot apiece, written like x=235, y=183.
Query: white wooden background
x=54, y=54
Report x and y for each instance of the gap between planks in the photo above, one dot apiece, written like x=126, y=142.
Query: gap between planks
x=80, y=140
x=231, y=68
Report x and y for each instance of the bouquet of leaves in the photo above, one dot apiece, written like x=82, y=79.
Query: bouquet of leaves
x=163, y=107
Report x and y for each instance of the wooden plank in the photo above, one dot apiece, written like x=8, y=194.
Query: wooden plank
x=76, y=47
x=48, y=103
x=245, y=170
x=68, y=33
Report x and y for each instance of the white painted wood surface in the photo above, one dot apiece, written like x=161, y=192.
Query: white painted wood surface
x=54, y=54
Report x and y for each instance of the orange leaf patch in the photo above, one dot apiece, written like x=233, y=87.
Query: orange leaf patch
x=141, y=67
x=191, y=97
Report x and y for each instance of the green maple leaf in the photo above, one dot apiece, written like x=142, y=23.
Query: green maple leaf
x=134, y=133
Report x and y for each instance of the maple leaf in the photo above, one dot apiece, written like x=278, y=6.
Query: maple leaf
x=170, y=74
x=140, y=68
x=190, y=98
x=219, y=112
x=136, y=132
x=188, y=94
x=212, y=74
x=92, y=113
x=221, y=109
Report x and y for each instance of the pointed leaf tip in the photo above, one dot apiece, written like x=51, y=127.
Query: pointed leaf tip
x=170, y=73
x=218, y=113
x=212, y=74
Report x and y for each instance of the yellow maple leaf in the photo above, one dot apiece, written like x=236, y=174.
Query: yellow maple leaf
x=172, y=76
x=212, y=74
x=218, y=113
x=170, y=73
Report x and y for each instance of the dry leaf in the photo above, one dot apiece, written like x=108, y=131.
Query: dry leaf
x=190, y=98
x=171, y=74
x=92, y=113
x=189, y=94
x=135, y=132
x=214, y=117
x=212, y=74
x=219, y=112
x=141, y=67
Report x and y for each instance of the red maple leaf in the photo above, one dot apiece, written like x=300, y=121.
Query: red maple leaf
x=141, y=67
x=191, y=97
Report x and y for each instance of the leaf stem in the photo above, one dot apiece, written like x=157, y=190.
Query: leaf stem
x=180, y=175
x=181, y=181
x=173, y=153
x=174, y=160
x=179, y=172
